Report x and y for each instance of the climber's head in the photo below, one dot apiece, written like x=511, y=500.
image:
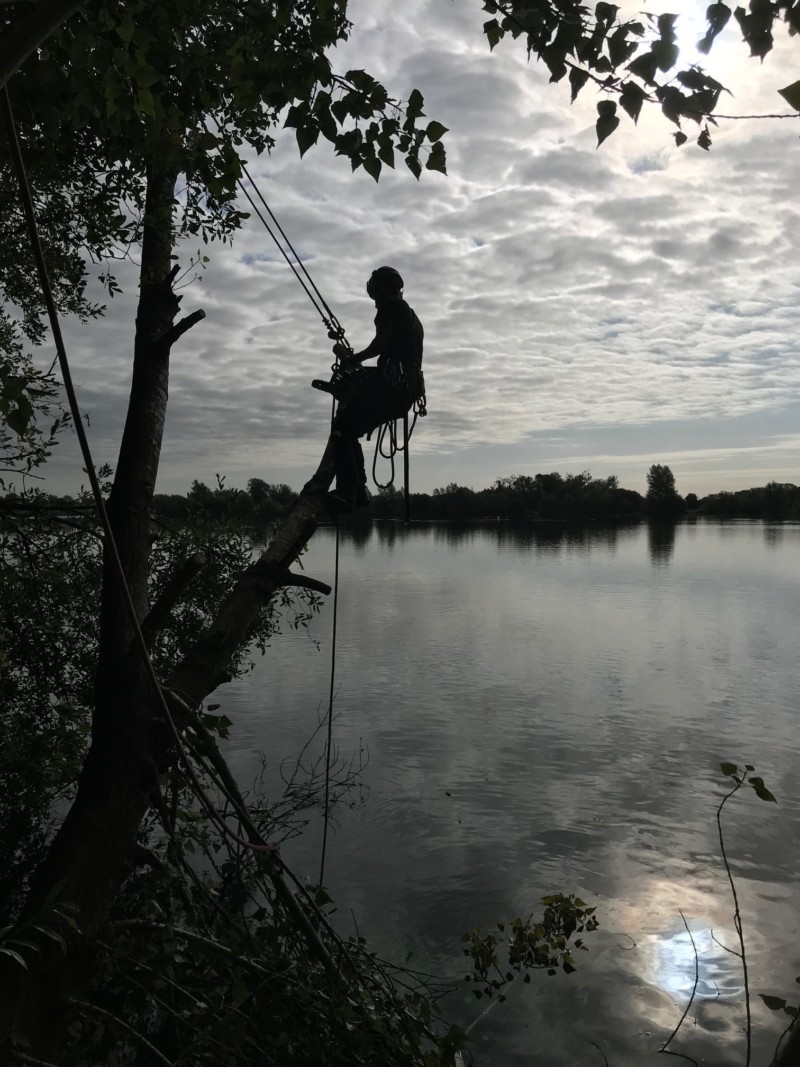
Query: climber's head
x=384, y=282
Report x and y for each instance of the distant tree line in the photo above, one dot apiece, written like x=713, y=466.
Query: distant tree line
x=775, y=500
x=261, y=502
x=522, y=497
x=515, y=498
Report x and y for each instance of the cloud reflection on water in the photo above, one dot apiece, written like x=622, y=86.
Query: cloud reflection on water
x=548, y=712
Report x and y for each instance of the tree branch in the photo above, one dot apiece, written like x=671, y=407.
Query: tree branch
x=207, y=664
x=180, y=328
x=170, y=595
x=139, y=1039
x=304, y=581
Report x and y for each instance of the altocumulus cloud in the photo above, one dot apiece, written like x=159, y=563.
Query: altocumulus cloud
x=578, y=304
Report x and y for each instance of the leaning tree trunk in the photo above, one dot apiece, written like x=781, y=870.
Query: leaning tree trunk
x=131, y=745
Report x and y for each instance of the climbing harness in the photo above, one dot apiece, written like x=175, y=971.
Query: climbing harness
x=275, y=866
x=344, y=374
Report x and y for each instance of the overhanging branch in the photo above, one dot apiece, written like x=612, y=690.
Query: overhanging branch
x=207, y=664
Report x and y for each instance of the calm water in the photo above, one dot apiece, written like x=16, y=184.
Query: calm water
x=547, y=710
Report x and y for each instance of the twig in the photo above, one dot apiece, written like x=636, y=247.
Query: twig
x=190, y=935
x=725, y=948
x=776, y=1056
x=737, y=918
x=23, y=1057
x=605, y=1058
x=665, y=1047
x=139, y=1039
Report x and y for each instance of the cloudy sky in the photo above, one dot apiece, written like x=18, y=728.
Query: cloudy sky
x=603, y=309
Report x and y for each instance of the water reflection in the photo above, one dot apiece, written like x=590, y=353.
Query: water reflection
x=539, y=717
x=773, y=535
x=661, y=541
x=541, y=537
x=677, y=959
x=357, y=534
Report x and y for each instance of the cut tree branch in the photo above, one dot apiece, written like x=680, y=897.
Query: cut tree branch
x=304, y=581
x=207, y=664
x=180, y=328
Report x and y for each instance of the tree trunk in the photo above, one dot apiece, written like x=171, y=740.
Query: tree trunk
x=94, y=848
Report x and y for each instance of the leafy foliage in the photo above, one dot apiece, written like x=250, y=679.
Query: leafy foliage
x=203, y=963
x=663, y=500
x=124, y=88
x=528, y=944
x=745, y=774
x=634, y=59
x=775, y=500
x=31, y=414
x=50, y=575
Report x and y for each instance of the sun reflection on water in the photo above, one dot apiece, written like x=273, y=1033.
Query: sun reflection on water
x=666, y=957
x=671, y=963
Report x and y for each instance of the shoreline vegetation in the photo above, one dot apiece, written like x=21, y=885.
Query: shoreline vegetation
x=516, y=498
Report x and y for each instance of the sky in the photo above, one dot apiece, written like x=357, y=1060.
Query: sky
x=584, y=308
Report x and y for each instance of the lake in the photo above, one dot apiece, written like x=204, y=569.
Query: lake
x=544, y=709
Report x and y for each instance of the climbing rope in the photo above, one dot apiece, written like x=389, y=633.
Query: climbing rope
x=334, y=327
x=389, y=429
x=336, y=333
x=329, y=736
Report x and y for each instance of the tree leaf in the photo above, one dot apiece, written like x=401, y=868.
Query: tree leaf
x=14, y=956
x=146, y=104
x=666, y=54
x=307, y=137
x=728, y=769
x=577, y=80
x=372, y=165
x=413, y=165
x=717, y=16
x=145, y=75
x=791, y=94
x=17, y=421
x=435, y=131
x=761, y=790
x=125, y=30
x=605, y=126
x=437, y=159
x=773, y=1003
x=494, y=33
x=631, y=98
x=415, y=102
x=644, y=67
x=386, y=154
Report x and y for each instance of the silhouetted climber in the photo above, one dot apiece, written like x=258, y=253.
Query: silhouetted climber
x=371, y=396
